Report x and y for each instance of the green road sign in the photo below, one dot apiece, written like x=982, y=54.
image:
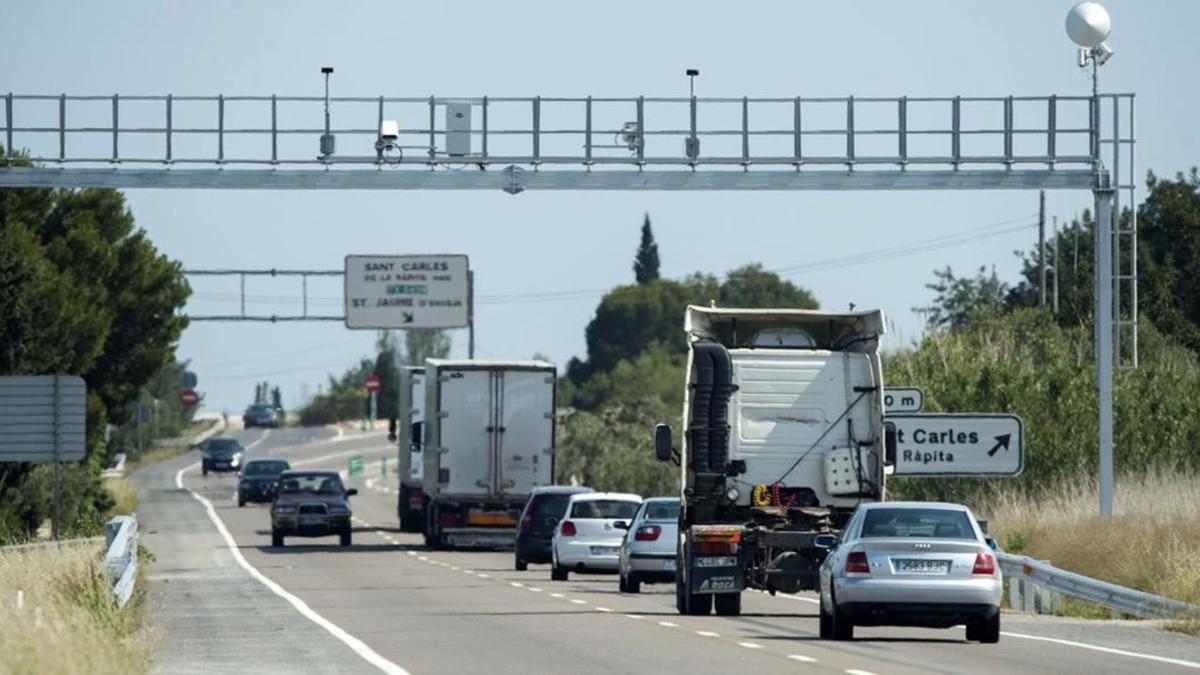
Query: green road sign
x=356, y=465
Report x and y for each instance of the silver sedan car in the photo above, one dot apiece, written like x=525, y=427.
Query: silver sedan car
x=648, y=550
x=922, y=564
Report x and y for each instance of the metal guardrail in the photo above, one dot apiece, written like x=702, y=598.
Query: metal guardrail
x=121, y=556
x=1029, y=579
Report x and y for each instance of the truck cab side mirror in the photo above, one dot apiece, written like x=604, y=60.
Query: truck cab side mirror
x=417, y=429
x=889, y=444
x=392, y=430
x=663, y=447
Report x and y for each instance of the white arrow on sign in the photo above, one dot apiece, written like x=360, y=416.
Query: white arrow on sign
x=902, y=400
x=407, y=291
x=958, y=444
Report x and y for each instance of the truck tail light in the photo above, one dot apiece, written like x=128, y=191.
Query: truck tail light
x=568, y=529
x=647, y=533
x=856, y=563
x=449, y=519
x=984, y=564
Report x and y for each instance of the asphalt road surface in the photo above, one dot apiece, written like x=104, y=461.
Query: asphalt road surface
x=225, y=600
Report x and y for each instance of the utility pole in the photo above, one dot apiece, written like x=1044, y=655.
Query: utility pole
x=1057, y=240
x=1042, y=248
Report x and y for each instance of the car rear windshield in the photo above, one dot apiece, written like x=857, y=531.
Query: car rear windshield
x=928, y=523
x=322, y=484
x=604, y=508
x=265, y=468
x=550, y=506
x=662, y=511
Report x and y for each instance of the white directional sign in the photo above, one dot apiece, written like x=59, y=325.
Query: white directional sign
x=969, y=444
x=409, y=291
x=902, y=400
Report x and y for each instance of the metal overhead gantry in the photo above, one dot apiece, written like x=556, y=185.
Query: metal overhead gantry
x=550, y=143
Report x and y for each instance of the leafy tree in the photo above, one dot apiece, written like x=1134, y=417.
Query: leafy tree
x=82, y=291
x=425, y=343
x=959, y=298
x=645, y=264
x=751, y=286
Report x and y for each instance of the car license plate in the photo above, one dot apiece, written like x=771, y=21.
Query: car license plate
x=605, y=550
x=310, y=520
x=923, y=566
x=715, y=561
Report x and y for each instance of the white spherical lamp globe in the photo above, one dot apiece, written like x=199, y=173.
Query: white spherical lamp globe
x=1088, y=24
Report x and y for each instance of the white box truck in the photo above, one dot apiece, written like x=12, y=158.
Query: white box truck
x=784, y=438
x=410, y=503
x=489, y=440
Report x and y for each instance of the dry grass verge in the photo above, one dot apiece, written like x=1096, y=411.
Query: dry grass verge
x=69, y=622
x=124, y=495
x=1151, y=544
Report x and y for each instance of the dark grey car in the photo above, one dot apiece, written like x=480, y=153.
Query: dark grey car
x=260, y=479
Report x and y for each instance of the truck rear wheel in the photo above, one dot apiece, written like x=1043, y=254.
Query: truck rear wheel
x=728, y=604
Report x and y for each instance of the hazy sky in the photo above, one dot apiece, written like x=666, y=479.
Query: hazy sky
x=553, y=241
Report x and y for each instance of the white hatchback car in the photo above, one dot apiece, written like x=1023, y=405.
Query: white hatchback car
x=589, y=535
x=911, y=564
x=648, y=550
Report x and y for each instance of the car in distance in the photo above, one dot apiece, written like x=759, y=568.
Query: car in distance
x=311, y=504
x=648, y=549
x=260, y=415
x=589, y=535
x=925, y=564
x=539, y=520
x=259, y=480
x=221, y=454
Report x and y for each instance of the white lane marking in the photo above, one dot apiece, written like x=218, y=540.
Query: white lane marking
x=469, y=571
x=484, y=576
x=801, y=658
x=557, y=595
x=707, y=633
x=454, y=569
x=668, y=624
x=636, y=617
x=852, y=671
x=369, y=655
x=797, y=598
x=1106, y=650
x=516, y=584
x=577, y=601
x=413, y=553
x=534, y=589
x=422, y=558
x=750, y=645
x=603, y=609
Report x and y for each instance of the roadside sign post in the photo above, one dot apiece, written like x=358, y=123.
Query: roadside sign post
x=189, y=397
x=43, y=419
x=902, y=400
x=965, y=444
x=372, y=385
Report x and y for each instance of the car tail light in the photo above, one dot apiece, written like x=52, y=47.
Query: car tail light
x=856, y=563
x=449, y=519
x=527, y=522
x=984, y=564
x=568, y=529
x=648, y=533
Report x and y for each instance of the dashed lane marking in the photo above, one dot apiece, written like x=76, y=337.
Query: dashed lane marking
x=750, y=645
x=801, y=658
x=707, y=633
x=668, y=624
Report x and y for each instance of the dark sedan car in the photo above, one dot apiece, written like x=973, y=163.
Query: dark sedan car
x=260, y=415
x=221, y=454
x=311, y=504
x=259, y=480
x=539, y=519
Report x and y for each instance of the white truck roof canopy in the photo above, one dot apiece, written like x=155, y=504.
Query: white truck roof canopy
x=852, y=330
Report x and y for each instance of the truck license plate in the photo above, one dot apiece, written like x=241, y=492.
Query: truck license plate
x=924, y=566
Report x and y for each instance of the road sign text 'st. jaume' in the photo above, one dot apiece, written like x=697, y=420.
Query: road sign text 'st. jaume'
x=418, y=291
